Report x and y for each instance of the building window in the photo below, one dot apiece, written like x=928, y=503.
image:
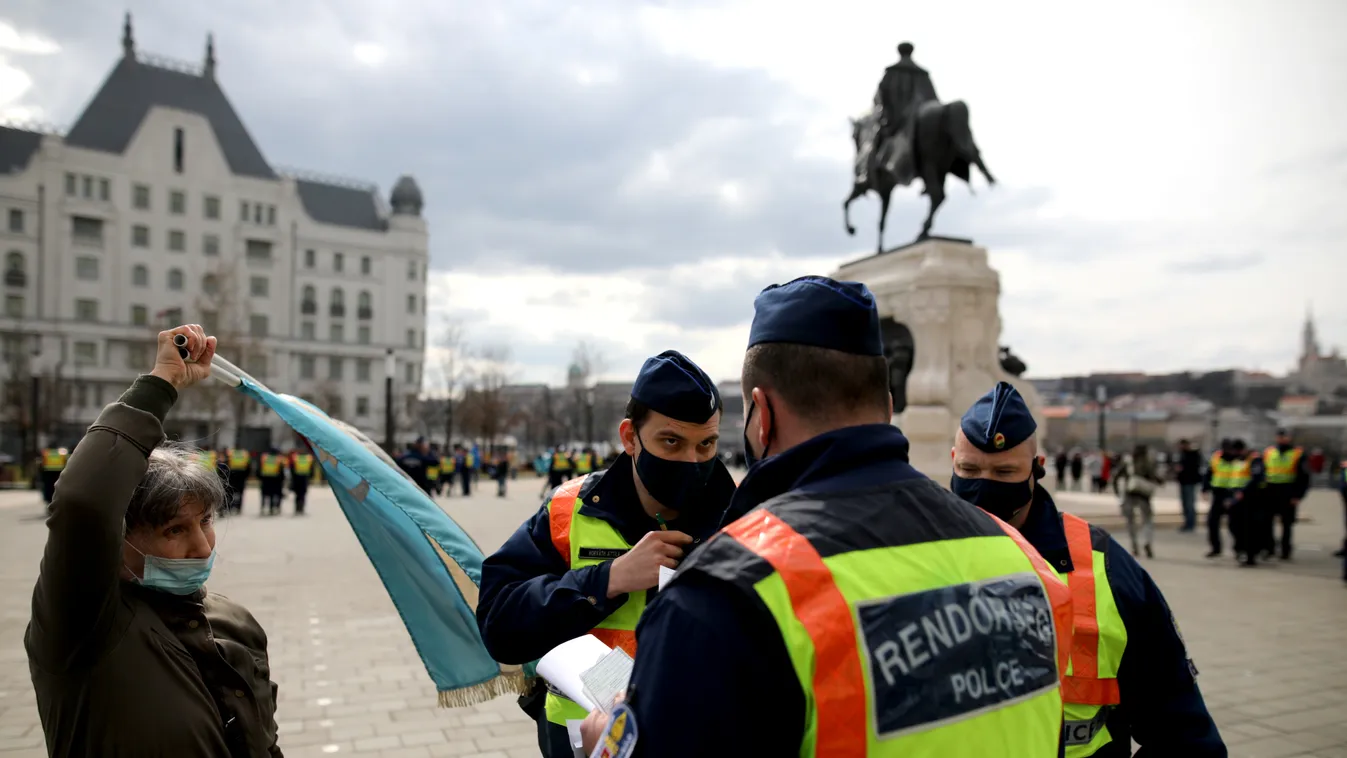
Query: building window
x=361, y=406
x=334, y=405
x=210, y=244
x=140, y=276
x=170, y=317
x=362, y=369
x=140, y=235
x=177, y=202
x=338, y=303
x=362, y=335
x=177, y=240
x=210, y=321
x=411, y=338
x=411, y=304
x=411, y=373
x=310, y=258
x=16, y=220
x=364, y=305
x=258, y=251
x=308, y=302
x=411, y=271
x=258, y=286
x=257, y=364
x=104, y=190
x=140, y=196
x=306, y=367
x=308, y=331
x=88, y=182
x=178, y=139
x=338, y=262
x=70, y=185
x=140, y=315
x=334, y=364
x=86, y=268
x=366, y=265
x=138, y=356
x=175, y=279
x=86, y=310
x=337, y=333
x=257, y=325
x=86, y=230
x=86, y=354
x=210, y=284
x=16, y=269
x=257, y=214
x=14, y=306
x=271, y=215
x=243, y=211
x=411, y=405
x=211, y=206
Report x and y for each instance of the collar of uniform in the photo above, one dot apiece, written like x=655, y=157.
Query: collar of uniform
x=610, y=495
x=1043, y=529
x=848, y=458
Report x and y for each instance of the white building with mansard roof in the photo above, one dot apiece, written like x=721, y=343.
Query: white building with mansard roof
x=157, y=207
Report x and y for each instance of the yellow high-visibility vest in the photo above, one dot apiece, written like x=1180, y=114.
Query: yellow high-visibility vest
x=54, y=459
x=1230, y=475
x=303, y=464
x=239, y=459
x=271, y=465
x=1281, y=468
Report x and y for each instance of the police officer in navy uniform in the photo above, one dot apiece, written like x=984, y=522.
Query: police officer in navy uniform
x=854, y=609
x=589, y=560
x=1135, y=668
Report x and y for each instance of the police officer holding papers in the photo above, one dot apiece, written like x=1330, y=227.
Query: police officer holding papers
x=860, y=609
x=1130, y=677
x=588, y=562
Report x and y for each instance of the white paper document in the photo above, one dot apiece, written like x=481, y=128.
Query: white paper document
x=665, y=574
x=607, y=679
x=563, y=665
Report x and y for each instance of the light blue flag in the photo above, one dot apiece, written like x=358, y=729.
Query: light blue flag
x=429, y=565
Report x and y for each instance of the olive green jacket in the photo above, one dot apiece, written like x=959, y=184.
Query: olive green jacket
x=124, y=670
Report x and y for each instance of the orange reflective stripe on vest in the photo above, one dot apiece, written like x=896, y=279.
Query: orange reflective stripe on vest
x=1084, y=685
x=839, y=682
x=559, y=514
x=1059, y=595
x=616, y=638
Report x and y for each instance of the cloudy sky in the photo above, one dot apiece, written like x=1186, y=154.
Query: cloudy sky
x=1172, y=174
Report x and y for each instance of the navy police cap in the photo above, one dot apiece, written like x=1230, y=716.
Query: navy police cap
x=999, y=420
x=819, y=312
x=671, y=384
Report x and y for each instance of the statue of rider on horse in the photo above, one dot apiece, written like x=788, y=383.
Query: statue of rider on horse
x=909, y=134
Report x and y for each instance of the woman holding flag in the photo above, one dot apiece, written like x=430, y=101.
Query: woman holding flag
x=129, y=654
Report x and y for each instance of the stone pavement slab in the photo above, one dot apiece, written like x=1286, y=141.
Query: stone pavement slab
x=1269, y=641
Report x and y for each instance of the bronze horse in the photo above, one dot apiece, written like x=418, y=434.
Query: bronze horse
x=943, y=145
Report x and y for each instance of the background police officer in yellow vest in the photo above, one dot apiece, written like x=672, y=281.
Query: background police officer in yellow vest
x=240, y=465
x=1286, y=475
x=1228, y=474
x=1130, y=677
x=271, y=474
x=301, y=471
x=860, y=609
x=588, y=561
x=53, y=463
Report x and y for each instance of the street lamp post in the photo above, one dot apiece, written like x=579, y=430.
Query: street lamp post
x=1101, y=397
x=390, y=365
x=34, y=398
x=589, y=417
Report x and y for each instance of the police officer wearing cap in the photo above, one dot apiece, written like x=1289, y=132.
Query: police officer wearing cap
x=1130, y=677
x=859, y=609
x=588, y=562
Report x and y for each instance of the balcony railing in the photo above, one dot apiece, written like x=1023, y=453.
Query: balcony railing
x=365, y=313
x=308, y=307
x=16, y=278
x=337, y=310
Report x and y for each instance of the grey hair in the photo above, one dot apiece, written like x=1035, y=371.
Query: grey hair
x=175, y=476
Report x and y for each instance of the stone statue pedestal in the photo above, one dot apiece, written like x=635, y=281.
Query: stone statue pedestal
x=946, y=294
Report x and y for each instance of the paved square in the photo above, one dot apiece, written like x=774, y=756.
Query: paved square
x=1271, y=642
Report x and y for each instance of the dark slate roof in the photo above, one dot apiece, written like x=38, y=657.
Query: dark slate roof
x=16, y=149
x=340, y=206
x=115, y=113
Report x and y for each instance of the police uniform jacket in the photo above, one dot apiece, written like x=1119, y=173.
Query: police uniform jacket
x=713, y=676
x=531, y=600
x=1162, y=708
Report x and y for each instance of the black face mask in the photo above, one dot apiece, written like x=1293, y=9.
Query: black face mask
x=749, y=457
x=1001, y=499
x=1283, y=446
x=677, y=485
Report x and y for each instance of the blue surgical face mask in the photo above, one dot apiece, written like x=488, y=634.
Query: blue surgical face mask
x=1001, y=499
x=677, y=485
x=176, y=576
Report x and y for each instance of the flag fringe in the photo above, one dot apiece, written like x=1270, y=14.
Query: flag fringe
x=507, y=683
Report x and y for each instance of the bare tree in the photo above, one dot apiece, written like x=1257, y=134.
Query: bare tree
x=454, y=371
x=226, y=313
x=587, y=362
x=485, y=410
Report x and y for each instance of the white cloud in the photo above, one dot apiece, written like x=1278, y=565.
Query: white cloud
x=27, y=43
x=369, y=54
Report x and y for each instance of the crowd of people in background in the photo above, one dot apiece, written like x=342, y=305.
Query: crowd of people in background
x=436, y=468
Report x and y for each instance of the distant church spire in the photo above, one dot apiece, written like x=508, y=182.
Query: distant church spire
x=1309, y=341
x=209, y=70
x=128, y=42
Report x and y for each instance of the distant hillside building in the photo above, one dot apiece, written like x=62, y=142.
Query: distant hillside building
x=1316, y=371
x=157, y=208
